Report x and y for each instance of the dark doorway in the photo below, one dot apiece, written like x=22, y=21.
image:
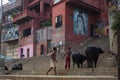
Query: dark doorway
x=92, y=29
x=42, y=49
x=21, y=55
x=28, y=52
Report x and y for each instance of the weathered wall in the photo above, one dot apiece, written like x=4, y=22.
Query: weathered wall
x=58, y=34
x=42, y=35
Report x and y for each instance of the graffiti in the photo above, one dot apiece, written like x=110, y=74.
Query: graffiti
x=80, y=19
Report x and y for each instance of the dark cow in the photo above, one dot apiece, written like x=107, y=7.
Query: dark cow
x=92, y=54
x=78, y=59
x=17, y=66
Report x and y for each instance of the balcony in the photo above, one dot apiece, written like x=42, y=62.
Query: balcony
x=11, y=8
x=7, y=20
x=88, y=4
x=9, y=35
x=25, y=16
x=33, y=3
x=95, y=3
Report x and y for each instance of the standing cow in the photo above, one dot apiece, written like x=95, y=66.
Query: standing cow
x=92, y=55
x=78, y=59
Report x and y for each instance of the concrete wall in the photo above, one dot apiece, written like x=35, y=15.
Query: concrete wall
x=10, y=49
x=42, y=35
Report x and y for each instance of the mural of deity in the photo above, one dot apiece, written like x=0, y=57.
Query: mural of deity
x=80, y=19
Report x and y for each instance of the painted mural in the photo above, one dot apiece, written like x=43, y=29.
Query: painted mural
x=80, y=19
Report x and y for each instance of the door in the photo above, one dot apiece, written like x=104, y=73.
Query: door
x=42, y=49
x=92, y=30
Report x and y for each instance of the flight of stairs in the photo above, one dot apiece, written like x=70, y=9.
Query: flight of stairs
x=106, y=66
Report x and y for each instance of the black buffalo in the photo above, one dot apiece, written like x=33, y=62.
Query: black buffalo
x=78, y=59
x=17, y=66
x=92, y=55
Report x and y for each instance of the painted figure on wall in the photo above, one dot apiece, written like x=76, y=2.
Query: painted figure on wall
x=80, y=22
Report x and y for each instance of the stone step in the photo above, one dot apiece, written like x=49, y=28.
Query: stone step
x=83, y=71
x=44, y=77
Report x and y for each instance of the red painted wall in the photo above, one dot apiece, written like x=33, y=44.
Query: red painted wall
x=58, y=33
x=29, y=39
x=104, y=12
x=38, y=48
x=69, y=34
x=67, y=10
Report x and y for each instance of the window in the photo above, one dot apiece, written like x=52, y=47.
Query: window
x=42, y=49
x=28, y=52
x=26, y=32
x=58, y=22
x=56, y=1
x=21, y=55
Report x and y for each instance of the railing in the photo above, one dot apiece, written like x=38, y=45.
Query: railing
x=10, y=35
x=7, y=38
x=25, y=14
x=7, y=21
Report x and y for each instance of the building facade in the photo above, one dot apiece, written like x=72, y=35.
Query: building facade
x=47, y=23
x=9, y=31
x=31, y=21
x=74, y=21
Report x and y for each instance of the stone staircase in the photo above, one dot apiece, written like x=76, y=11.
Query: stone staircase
x=107, y=65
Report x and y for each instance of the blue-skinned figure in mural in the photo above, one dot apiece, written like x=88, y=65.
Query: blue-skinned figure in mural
x=80, y=22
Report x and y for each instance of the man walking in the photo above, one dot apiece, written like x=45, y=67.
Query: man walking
x=53, y=60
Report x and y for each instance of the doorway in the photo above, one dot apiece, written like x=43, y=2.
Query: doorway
x=21, y=55
x=28, y=52
x=92, y=30
x=42, y=49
